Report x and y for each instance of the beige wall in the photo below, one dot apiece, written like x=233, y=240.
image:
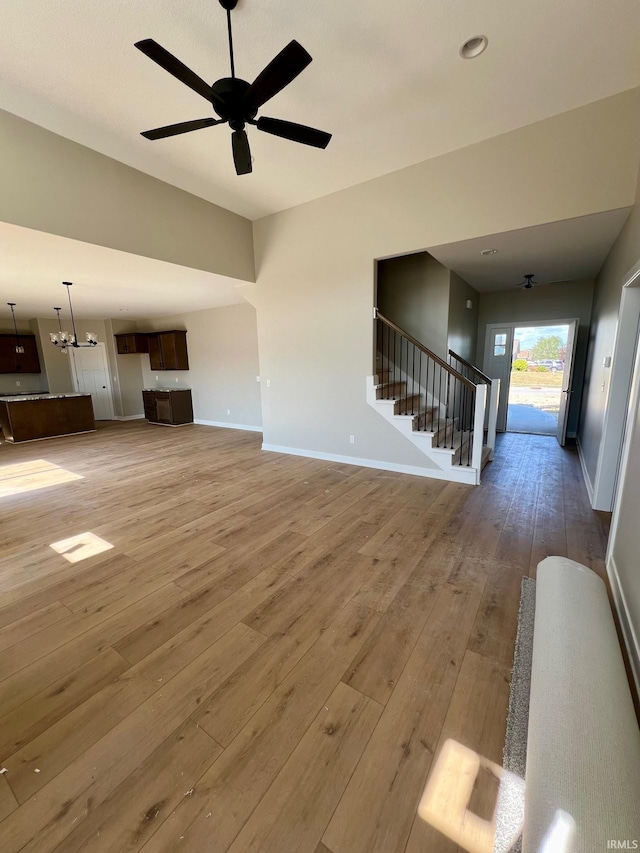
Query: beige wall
x=626, y=545
x=52, y=184
x=315, y=263
x=463, y=321
x=126, y=372
x=606, y=305
x=223, y=363
x=563, y=301
x=413, y=292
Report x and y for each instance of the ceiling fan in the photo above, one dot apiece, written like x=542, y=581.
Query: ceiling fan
x=236, y=101
x=528, y=282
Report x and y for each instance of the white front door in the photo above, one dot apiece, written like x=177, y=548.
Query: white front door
x=567, y=382
x=497, y=365
x=91, y=376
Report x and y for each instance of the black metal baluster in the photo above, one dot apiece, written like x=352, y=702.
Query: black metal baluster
x=474, y=403
x=456, y=409
x=413, y=377
x=426, y=393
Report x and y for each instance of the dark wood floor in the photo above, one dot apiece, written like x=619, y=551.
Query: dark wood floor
x=273, y=650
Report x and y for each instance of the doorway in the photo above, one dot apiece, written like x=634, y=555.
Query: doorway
x=91, y=376
x=534, y=363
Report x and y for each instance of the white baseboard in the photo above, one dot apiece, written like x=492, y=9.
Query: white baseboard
x=585, y=473
x=127, y=417
x=432, y=473
x=631, y=641
x=226, y=425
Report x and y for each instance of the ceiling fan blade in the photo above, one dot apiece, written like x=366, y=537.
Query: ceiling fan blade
x=294, y=132
x=241, y=152
x=181, y=127
x=169, y=62
x=286, y=66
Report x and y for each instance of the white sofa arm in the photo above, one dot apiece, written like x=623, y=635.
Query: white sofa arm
x=583, y=745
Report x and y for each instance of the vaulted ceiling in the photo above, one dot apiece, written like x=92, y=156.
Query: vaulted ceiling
x=387, y=80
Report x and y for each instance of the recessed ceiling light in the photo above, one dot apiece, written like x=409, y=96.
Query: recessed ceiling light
x=486, y=252
x=474, y=47
x=123, y=309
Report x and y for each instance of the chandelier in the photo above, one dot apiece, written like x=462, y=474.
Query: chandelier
x=63, y=340
x=18, y=347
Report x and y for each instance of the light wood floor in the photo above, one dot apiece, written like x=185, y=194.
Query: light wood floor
x=273, y=650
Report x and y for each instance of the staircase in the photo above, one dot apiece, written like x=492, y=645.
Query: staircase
x=447, y=410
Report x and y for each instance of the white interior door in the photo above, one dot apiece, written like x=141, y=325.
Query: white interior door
x=498, y=354
x=91, y=376
x=567, y=383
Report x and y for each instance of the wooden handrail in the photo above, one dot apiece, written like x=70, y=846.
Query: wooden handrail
x=426, y=351
x=471, y=366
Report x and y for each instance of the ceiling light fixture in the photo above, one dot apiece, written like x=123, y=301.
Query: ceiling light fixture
x=19, y=348
x=63, y=340
x=474, y=47
x=485, y=252
x=528, y=282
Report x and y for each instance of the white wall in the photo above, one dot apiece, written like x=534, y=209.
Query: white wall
x=222, y=344
x=314, y=291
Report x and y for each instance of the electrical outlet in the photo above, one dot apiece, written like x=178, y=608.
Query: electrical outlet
x=18, y=382
x=257, y=379
x=352, y=439
x=176, y=378
x=268, y=383
x=228, y=411
x=156, y=377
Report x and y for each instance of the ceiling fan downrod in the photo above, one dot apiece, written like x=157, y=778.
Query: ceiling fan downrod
x=228, y=5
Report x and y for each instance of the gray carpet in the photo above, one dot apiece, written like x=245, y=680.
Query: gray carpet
x=510, y=813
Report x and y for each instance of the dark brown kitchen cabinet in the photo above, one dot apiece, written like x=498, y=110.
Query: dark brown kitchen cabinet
x=14, y=362
x=168, y=350
x=168, y=406
x=132, y=344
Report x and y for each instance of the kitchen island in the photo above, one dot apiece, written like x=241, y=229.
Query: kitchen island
x=34, y=416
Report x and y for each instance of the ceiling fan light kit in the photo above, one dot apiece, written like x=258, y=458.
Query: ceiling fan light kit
x=236, y=101
x=528, y=283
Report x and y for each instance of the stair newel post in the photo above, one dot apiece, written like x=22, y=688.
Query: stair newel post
x=493, y=416
x=413, y=377
x=433, y=393
x=463, y=419
x=478, y=428
x=419, y=384
x=472, y=421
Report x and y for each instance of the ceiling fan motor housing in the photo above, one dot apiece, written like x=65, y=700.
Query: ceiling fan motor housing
x=230, y=104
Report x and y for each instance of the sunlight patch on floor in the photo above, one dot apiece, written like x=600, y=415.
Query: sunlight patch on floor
x=80, y=547
x=29, y=476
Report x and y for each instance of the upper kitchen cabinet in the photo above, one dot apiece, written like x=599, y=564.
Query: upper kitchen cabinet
x=132, y=344
x=168, y=350
x=19, y=362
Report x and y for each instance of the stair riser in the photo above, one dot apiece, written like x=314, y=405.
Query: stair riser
x=407, y=406
x=388, y=391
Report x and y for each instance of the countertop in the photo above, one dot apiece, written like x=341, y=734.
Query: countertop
x=26, y=397
x=166, y=390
